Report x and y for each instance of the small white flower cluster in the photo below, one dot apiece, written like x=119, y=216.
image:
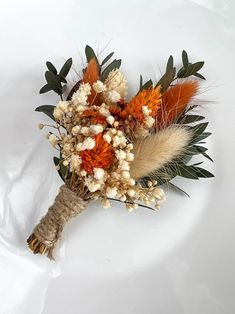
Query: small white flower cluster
x=116, y=87
x=80, y=96
x=99, y=87
x=60, y=110
x=151, y=194
x=148, y=119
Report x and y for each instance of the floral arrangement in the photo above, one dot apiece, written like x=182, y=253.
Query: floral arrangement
x=112, y=148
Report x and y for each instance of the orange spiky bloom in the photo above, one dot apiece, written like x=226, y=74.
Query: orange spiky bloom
x=175, y=101
x=101, y=156
x=91, y=75
x=150, y=97
x=95, y=116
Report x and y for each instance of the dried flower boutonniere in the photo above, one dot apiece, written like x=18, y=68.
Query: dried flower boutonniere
x=114, y=149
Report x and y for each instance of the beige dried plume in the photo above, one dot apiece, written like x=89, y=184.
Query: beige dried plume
x=156, y=150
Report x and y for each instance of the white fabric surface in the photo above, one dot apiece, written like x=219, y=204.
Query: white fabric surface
x=178, y=261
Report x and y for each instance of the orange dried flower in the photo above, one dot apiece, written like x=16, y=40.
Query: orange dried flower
x=175, y=100
x=96, y=117
x=91, y=75
x=148, y=97
x=101, y=156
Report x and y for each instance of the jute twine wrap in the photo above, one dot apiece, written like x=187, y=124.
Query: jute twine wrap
x=67, y=204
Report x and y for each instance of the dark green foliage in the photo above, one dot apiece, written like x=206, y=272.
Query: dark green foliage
x=169, y=76
x=47, y=109
x=90, y=54
x=56, y=80
x=146, y=85
x=115, y=64
x=188, y=68
x=63, y=171
x=106, y=59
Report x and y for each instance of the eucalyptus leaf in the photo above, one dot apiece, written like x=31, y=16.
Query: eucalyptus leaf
x=170, y=64
x=46, y=88
x=51, y=67
x=107, y=58
x=177, y=189
x=54, y=81
x=199, y=128
x=62, y=79
x=187, y=171
x=203, y=173
x=147, y=85
x=66, y=68
x=115, y=64
x=90, y=54
x=184, y=58
x=63, y=171
x=200, y=137
x=199, y=76
x=191, y=119
x=46, y=109
x=167, y=79
x=191, y=69
x=207, y=156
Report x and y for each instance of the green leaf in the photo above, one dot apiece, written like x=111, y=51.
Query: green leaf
x=199, y=128
x=207, y=156
x=184, y=58
x=200, y=137
x=200, y=149
x=54, y=81
x=203, y=173
x=191, y=118
x=66, y=68
x=63, y=171
x=199, y=76
x=90, y=54
x=170, y=64
x=46, y=88
x=51, y=67
x=166, y=79
x=187, y=171
x=62, y=79
x=115, y=64
x=147, y=85
x=107, y=58
x=191, y=69
x=195, y=150
x=176, y=188
x=46, y=109
x=181, y=72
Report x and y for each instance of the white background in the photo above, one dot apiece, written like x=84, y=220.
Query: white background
x=180, y=260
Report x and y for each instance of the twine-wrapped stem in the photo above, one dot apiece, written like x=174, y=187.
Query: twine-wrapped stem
x=67, y=204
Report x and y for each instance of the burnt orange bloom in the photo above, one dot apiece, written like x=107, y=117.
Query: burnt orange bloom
x=175, y=100
x=148, y=97
x=95, y=116
x=91, y=75
x=101, y=156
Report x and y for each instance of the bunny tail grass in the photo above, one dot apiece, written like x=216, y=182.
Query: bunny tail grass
x=153, y=152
